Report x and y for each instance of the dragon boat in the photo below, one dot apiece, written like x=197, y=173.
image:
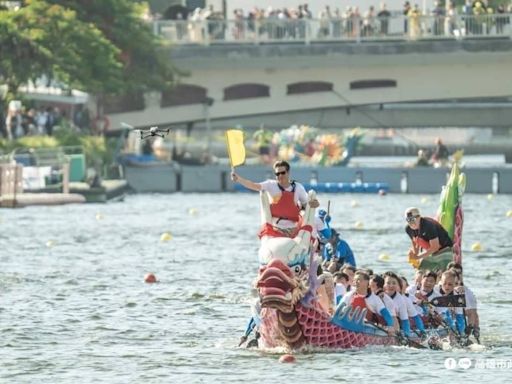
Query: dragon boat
x=293, y=310
x=292, y=315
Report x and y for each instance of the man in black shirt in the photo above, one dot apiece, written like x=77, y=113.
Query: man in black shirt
x=427, y=235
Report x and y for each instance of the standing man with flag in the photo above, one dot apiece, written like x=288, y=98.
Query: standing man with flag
x=288, y=197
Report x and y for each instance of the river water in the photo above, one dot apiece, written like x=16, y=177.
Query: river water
x=74, y=307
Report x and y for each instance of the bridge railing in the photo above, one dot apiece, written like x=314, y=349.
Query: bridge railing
x=353, y=29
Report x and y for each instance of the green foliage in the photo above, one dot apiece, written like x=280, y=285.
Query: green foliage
x=100, y=47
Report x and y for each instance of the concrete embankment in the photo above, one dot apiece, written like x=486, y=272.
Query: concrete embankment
x=168, y=178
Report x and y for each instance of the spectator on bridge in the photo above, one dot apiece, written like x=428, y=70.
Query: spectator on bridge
x=501, y=21
x=414, y=22
x=369, y=22
x=438, y=13
x=451, y=20
x=407, y=9
x=467, y=11
x=336, y=23
x=325, y=21
x=383, y=17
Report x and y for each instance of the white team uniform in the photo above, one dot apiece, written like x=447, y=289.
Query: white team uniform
x=401, y=307
x=471, y=302
x=412, y=289
x=456, y=310
x=339, y=290
x=388, y=303
x=411, y=309
x=373, y=302
x=434, y=294
x=300, y=198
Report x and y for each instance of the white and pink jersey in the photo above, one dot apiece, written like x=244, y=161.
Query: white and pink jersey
x=373, y=302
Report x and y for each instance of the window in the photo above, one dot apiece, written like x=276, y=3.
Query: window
x=183, y=94
x=246, y=91
x=309, y=87
x=374, y=83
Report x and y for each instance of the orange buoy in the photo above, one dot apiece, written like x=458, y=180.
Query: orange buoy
x=287, y=359
x=150, y=278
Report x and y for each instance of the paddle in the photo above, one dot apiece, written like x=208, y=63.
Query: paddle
x=250, y=328
x=449, y=301
x=462, y=340
x=401, y=338
x=235, y=147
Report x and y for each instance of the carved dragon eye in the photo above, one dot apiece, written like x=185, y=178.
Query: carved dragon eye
x=297, y=269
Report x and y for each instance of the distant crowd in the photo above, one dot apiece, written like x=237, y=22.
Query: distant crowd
x=290, y=22
x=20, y=121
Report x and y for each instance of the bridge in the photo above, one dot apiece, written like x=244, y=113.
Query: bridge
x=434, y=78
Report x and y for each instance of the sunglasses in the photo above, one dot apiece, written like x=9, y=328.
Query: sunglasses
x=280, y=173
x=411, y=219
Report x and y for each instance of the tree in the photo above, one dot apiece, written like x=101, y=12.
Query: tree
x=95, y=46
x=146, y=66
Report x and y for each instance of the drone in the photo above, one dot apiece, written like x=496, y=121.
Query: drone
x=149, y=132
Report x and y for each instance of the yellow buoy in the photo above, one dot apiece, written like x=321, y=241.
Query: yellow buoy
x=509, y=213
x=424, y=200
x=354, y=204
x=166, y=236
x=99, y=216
x=384, y=257
x=490, y=196
x=358, y=225
x=50, y=243
x=192, y=211
x=476, y=247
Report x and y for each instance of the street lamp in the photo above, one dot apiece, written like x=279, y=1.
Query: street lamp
x=207, y=103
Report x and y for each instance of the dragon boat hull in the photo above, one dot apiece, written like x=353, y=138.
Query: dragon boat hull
x=296, y=308
x=293, y=323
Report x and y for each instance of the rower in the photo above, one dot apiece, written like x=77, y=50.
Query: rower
x=393, y=286
x=411, y=309
x=377, y=287
x=363, y=298
x=471, y=311
x=425, y=296
x=445, y=288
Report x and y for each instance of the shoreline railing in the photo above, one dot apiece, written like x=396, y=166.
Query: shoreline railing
x=350, y=29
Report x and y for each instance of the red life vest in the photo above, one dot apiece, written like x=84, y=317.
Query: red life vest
x=285, y=207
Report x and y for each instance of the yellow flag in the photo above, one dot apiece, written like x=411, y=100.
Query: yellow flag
x=236, y=148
